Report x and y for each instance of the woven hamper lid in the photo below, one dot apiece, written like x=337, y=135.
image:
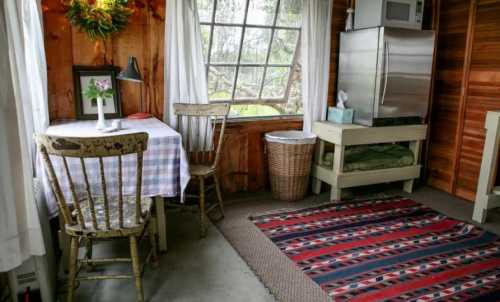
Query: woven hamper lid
x=292, y=137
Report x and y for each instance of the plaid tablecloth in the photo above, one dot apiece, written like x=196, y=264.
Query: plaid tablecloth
x=165, y=167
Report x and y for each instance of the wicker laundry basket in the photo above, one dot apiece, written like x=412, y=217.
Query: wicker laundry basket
x=290, y=156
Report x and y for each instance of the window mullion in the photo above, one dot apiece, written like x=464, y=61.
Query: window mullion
x=268, y=55
x=237, y=71
x=292, y=69
x=211, y=38
x=251, y=25
x=249, y=65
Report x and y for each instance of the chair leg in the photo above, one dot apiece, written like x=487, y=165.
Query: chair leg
x=152, y=240
x=136, y=266
x=72, y=263
x=203, y=216
x=89, y=252
x=219, y=194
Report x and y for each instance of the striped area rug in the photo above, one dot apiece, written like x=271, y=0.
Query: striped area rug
x=388, y=250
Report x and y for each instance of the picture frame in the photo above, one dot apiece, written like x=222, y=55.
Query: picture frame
x=87, y=109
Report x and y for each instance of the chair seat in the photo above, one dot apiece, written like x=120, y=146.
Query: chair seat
x=128, y=214
x=201, y=170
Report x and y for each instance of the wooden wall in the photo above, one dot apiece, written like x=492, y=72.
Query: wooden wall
x=244, y=161
x=467, y=86
x=338, y=25
x=66, y=46
x=452, y=37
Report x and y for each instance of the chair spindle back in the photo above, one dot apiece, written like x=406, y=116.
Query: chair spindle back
x=95, y=148
x=198, y=124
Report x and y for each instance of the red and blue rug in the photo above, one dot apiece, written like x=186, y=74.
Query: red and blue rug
x=388, y=250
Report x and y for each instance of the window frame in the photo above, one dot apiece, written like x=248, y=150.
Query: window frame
x=259, y=100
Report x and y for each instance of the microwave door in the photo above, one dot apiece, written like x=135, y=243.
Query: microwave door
x=403, y=13
x=406, y=73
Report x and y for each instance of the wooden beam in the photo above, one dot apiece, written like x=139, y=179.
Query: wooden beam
x=463, y=94
x=436, y=11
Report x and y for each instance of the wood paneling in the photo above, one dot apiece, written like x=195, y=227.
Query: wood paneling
x=66, y=46
x=452, y=38
x=339, y=16
x=483, y=94
x=467, y=86
x=243, y=165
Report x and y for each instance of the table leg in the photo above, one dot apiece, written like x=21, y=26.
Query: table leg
x=161, y=221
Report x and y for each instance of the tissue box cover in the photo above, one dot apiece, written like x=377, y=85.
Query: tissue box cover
x=340, y=116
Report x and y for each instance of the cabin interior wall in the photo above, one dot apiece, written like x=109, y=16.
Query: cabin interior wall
x=244, y=162
x=467, y=86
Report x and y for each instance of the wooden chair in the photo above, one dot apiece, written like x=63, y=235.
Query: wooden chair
x=99, y=217
x=200, y=122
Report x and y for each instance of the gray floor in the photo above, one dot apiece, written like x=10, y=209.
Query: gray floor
x=209, y=269
x=192, y=270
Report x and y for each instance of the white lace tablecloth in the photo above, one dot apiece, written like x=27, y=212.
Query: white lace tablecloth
x=165, y=167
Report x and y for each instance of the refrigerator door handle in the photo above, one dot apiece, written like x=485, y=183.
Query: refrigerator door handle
x=386, y=69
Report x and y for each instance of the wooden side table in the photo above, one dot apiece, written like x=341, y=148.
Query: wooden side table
x=343, y=135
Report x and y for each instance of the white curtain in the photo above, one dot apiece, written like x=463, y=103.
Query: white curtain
x=185, y=73
x=315, y=50
x=23, y=112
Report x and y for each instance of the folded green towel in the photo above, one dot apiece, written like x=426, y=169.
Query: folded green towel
x=373, y=157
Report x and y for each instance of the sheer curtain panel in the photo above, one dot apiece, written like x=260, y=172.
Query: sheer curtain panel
x=23, y=104
x=315, y=48
x=185, y=73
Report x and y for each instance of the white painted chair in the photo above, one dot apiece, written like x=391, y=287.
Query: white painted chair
x=487, y=195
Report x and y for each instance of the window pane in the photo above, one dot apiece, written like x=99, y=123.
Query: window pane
x=252, y=110
x=205, y=39
x=290, y=13
x=249, y=80
x=294, y=104
x=230, y=11
x=283, y=48
x=255, y=45
x=205, y=9
x=261, y=12
x=225, y=44
x=275, y=83
x=220, y=82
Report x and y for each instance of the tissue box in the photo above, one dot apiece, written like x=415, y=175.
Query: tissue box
x=340, y=116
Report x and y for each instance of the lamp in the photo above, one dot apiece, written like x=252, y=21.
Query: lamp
x=132, y=73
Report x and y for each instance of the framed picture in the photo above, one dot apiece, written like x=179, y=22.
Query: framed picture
x=86, y=109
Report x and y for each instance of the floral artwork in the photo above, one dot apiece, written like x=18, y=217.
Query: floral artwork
x=99, y=88
x=92, y=83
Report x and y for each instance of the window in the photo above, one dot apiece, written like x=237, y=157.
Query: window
x=251, y=51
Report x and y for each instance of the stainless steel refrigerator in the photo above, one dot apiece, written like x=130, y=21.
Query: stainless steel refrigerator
x=386, y=73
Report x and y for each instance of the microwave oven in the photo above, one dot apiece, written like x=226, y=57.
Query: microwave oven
x=389, y=13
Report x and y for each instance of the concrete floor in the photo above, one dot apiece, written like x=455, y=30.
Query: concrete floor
x=209, y=269
x=193, y=270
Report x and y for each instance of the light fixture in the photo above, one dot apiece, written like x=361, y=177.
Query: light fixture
x=132, y=73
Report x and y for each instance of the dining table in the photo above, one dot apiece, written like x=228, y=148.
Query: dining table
x=165, y=165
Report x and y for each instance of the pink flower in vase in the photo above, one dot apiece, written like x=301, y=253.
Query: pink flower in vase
x=103, y=85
